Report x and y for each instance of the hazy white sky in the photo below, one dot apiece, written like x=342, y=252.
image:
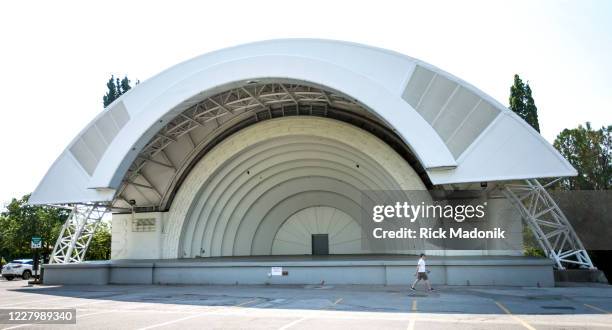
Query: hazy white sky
x=56, y=56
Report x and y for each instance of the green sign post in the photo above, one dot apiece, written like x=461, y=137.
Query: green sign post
x=36, y=244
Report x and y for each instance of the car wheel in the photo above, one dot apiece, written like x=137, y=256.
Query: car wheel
x=9, y=278
x=26, y=275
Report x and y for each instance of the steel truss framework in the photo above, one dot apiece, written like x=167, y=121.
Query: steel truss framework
x=551, y=228
x=77, y=232
x=252, y=102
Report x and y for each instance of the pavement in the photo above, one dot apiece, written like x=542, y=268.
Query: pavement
x=315, y=306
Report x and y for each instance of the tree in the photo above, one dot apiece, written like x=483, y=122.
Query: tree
x=21, y=221
x=116, y=88
x=100, y=245
x=522, y=103
x=590, y=152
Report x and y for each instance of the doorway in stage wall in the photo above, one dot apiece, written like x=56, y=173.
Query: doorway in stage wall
x=320, y=244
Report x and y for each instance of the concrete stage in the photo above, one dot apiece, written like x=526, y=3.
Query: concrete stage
x=335, y=269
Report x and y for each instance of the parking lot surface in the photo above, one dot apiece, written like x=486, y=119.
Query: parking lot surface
x=315, y=307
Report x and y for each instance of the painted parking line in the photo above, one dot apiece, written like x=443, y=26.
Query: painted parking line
x=516, y=318
x=34, y=302
x=87, y=303
x=175, y=320
x=411, y=324
x=292, y=323
x=413, y=308
x=91, y=314
x=335, y=303
x=30, y=324
x=18, y=326
x=597, y=309
x=246, y=302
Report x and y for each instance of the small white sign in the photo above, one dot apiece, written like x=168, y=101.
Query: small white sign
x=276, y=271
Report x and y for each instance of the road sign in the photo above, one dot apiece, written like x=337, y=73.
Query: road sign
x=36, y=242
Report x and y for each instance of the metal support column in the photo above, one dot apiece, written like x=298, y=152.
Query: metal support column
x=551, y=228
x=77, y=232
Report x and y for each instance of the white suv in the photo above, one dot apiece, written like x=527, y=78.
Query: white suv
x=18, y=268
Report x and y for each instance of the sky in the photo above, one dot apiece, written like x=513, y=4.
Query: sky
x=56, y=56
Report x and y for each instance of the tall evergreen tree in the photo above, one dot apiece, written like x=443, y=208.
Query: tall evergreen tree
x=116, y=88
x=522, y=103
x=112, y=93
x=125, y=85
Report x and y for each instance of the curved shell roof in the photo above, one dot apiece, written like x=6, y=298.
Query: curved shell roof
x=452, y=131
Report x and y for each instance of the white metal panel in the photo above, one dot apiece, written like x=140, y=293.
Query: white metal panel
x=456, y=111
x=418, y=84
x=434, y=98
x=65, y=182
x=107, y=127
x=508, y=149
x=472, y=126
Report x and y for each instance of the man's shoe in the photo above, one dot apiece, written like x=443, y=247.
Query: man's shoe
x=432, y=289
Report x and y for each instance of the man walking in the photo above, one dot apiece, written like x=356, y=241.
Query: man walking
x=421, y=274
